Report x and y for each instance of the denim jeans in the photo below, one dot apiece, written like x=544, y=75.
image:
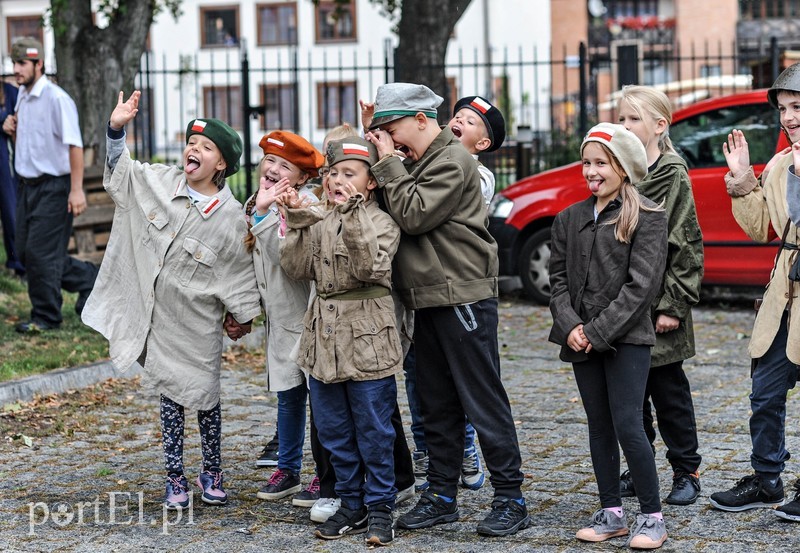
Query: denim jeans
x=354, y=424
x=773, y=377
x=417, y=430
x=291, y=427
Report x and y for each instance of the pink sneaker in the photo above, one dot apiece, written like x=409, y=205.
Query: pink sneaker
x=211, y=484
x=177, y=493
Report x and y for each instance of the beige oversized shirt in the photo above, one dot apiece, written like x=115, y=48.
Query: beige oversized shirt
x=170, y=271
x=756, y=207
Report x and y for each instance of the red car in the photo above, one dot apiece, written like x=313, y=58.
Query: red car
x=520, y=216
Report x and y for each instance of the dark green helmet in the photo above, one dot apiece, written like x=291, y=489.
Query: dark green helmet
x=788, y=80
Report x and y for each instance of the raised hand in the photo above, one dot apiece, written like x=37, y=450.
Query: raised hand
x=737, y=153
x=367, y=113
x=269, y=192
x=124, y=111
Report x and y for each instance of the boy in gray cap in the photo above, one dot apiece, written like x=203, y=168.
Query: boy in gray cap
x=446, y=270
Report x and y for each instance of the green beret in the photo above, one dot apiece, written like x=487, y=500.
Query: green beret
x=226, y=139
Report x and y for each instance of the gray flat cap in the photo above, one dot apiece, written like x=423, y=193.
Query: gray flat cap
x=396, y=100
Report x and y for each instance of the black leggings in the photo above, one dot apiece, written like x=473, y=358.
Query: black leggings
x=612, y=387
x=172, y=425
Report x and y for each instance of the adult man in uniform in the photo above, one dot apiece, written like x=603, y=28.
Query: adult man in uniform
x=49, y=164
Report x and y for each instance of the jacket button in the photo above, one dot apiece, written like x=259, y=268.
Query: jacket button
x=198, y=255
x=328, y=330
x=172, y=235
x=330, y=307
x=258, y=252
x=330, y=285
x=263, y=285
x=326, y=261
x=151, y=216
x=373, y=329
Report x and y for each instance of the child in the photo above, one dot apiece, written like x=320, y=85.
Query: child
x=446, y=270
x=763, y=208
x=647, y=113
x=289, y=160
x=350, y=344
x=328, y=503
x=607, y=260
x=480, y=127
x=175, y=262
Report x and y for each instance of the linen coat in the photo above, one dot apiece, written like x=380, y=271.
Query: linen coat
x=605, y=284
x=170, y=271
x=668, y=183
x=760, y=209
x=285, y=301
x=346, y=248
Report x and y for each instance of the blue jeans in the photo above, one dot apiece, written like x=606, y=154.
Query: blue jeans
x=774, y=375
x=291, y=427
x=417, y=430
x=354, y=423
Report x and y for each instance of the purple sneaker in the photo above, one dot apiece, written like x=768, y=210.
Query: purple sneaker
x=177, y=494
x=211, y=483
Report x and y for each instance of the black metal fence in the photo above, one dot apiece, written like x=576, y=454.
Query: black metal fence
x=549, y=98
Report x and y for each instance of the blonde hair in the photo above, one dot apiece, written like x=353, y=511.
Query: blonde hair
x=646, y=100
x=337, y=133
x=627, y=218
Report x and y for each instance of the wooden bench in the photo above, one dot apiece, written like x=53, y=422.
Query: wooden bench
x=90, y=231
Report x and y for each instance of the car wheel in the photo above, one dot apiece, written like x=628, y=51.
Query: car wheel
x=534, y=266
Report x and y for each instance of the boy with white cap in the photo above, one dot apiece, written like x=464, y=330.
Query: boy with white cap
x=446, y=269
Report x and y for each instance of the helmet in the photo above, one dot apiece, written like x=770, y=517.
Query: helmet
x=789, y=80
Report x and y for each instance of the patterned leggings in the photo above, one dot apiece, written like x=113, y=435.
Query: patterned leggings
x=172, y=425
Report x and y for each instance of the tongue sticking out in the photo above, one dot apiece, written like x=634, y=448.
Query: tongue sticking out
x=191, y=167
x=594, y=187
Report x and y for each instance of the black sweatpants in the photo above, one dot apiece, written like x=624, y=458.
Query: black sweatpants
x=669, y=390
x=458, y=373
x=612, y=385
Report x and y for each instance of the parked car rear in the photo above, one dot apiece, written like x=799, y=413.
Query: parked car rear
x=520, y=216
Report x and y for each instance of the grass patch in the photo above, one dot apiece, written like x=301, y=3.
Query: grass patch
x=21, y=355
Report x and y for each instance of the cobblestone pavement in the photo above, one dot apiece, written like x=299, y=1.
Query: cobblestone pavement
x=93, y=450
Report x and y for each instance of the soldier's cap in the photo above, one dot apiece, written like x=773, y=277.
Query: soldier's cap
x=27, y=48
x=396, y=100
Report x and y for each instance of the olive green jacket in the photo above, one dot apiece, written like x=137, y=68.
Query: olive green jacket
x=680, y=289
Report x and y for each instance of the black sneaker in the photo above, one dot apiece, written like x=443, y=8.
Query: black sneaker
x=269, y=455
x=626, y=488
x=282, y=483
x=685, y=489
x=35, y=327
x=345, y=521
x=508, y=516
x=429, y=510
x=791, y=511
x=748, y=493
x=380, y=531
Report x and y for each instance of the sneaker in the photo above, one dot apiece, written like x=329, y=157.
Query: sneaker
x=508, y=516
x=80, y=303
x=791, y=510
x=343, y=522
x=472, y=476
x=748, y=493
x=380, y=531
x=648, y=532
x=211, y=484
x=420, y=459
x=280, y=484
x=626, y=488
x=605, y=525
x=309, y=496
x=324, y=508
x=405, y=495
x=269, y=455
x=177, y=493
x=35, y=327
x=685, y=489
x=429, y=510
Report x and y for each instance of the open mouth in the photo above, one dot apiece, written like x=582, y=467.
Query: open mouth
x=456, y=131
x=192, y=164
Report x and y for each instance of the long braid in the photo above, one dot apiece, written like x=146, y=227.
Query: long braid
x=249, y=210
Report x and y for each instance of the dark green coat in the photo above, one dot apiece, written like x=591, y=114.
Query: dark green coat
x=669, y=183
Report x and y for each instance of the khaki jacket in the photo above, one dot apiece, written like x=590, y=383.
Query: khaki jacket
x=347, y=248
x=446, y=254
x=756, y=207
x=668, y=183
x=285, y=301
x=170, y=271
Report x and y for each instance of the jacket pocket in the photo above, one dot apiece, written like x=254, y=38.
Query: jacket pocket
x=376, y=344
x=197, y=264
x=307, y=354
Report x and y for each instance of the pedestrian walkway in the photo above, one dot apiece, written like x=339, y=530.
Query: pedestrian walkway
x=94, y=482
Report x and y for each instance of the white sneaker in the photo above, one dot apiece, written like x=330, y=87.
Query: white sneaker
x=472, y=476
x=324, y=508
x=405, y=495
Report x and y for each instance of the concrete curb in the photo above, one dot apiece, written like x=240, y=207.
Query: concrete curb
x=59, y=381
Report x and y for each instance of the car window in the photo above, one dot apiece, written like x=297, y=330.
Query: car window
x=699, y=139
